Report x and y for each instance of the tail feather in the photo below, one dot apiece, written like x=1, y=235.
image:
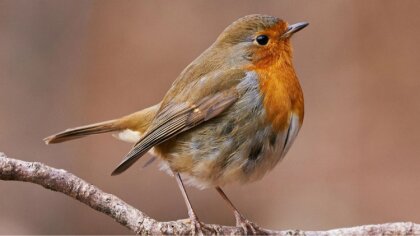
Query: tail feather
x=82, y=131
x=136, y=122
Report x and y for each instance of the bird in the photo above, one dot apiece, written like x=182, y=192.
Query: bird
x=230, y=116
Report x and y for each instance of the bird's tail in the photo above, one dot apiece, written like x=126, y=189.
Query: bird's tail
x=82, y=131
x=138, y=122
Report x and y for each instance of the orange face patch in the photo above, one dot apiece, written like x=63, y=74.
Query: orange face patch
x=265, y=55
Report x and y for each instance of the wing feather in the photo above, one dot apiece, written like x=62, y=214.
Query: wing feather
x=177, y=118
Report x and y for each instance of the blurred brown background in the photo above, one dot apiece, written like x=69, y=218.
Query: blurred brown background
x=68, y=63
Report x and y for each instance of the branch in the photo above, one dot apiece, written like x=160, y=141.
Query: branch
x=137, y=221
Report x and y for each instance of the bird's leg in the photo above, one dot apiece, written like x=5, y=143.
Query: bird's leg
x=195, y=223
x=248, y=226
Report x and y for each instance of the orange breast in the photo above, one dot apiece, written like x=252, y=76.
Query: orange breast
x=282, y=93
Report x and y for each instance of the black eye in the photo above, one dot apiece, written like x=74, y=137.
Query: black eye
x=262, y=39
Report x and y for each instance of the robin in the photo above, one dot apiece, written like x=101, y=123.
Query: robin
x=231, y=115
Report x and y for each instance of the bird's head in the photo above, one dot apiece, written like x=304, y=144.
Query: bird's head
x=259, y=39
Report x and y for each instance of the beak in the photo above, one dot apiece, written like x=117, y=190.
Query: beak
x=293, y=29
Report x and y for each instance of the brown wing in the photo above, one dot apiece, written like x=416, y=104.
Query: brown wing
x=175, y=119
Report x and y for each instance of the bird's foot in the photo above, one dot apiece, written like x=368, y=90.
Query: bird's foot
x=197, y=228
x=248, y=226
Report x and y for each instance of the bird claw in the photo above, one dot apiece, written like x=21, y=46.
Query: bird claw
x=196, y=226
x=248, y=226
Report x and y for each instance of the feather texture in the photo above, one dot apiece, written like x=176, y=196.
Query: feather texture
x=175, y=119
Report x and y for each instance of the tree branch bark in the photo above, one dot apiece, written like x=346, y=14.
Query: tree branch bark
x=140, y=223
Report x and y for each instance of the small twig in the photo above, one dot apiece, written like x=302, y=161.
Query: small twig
x=137, y=221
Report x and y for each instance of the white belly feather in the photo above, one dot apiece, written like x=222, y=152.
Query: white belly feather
x=291, y=134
